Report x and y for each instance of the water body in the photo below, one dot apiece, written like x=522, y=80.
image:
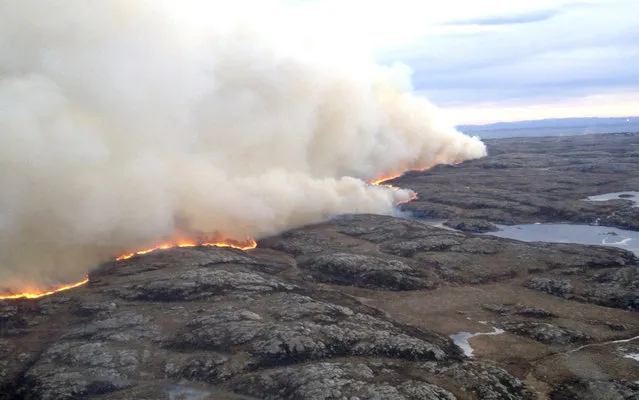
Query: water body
x=632, y=196
x=461, y=339
x=569, y=233
x=184, y=392
x=562, y=233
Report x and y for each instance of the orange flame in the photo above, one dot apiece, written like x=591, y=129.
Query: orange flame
x=386, y=178
x=383, y=179
x=413, y=196
x=249, y=244
x=37, y=294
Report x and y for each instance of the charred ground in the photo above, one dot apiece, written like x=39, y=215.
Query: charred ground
x=362, y=306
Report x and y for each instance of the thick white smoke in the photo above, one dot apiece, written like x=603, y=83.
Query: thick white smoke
x=121, y=123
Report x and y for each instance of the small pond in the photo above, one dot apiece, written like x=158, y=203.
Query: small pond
x=570, y=233
x=632, y=196
x=461, y=339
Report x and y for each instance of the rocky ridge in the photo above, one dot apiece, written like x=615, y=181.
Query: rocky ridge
x=281, y=321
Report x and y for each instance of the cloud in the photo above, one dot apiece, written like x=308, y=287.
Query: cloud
x=534, y=16
x=569, y=51
x=603, y=105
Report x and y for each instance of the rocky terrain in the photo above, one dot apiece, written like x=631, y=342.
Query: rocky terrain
x=363, y=306
x=527, y=180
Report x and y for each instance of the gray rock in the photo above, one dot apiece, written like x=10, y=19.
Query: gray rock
x=195, y=284
x=596, y=390
x=74, y=369
x=472, y=225
x=335, y=380
x=5, y=350
x=63, y=384
x=616, y=326
x=502, y=309
x=413, y=390
x=364, y=271
x=95, y=308
x=408, y=248
x=546, y=333
x=174, y=258
x=294, y=307
x=202, y=366
x=123, y=326
x=534, y=312
x=614, y=288
x=518, y=309
x=554, y=286
x=486, y=381
x=11, y=322
x=358, y=226
x=219, y=330
x=356, y=335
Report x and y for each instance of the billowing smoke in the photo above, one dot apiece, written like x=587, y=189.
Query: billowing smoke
x=121, y=123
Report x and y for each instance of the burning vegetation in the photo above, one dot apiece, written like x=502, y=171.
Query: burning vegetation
x=247, y=125
x=36, y=293
x=247, y=244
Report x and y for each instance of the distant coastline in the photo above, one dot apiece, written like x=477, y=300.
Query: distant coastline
x=553, y=127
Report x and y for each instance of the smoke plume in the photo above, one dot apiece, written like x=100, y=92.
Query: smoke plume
x=123, y=123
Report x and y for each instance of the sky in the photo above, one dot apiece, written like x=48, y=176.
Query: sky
x=495, y=60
